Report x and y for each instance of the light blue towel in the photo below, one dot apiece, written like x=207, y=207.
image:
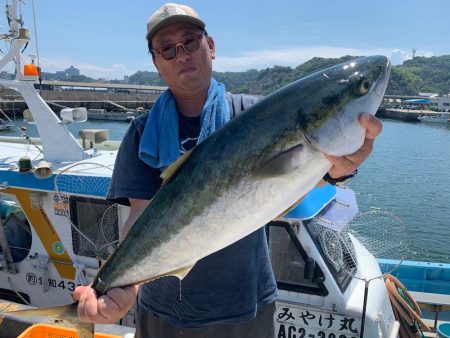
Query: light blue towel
x=160, y=144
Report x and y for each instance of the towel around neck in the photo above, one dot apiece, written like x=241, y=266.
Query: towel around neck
x=160, y=144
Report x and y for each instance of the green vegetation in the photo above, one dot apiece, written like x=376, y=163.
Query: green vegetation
x=418, y=75
x=146, y=78
x=79, y=78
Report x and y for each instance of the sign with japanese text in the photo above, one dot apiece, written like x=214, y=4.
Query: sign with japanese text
x=297, y=321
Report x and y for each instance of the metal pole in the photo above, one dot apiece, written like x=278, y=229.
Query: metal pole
x=363, y=318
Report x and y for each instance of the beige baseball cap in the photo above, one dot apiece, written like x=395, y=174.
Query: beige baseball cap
x=171, y=13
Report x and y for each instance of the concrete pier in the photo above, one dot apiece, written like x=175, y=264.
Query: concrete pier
x=12, y=103
x=407, y=115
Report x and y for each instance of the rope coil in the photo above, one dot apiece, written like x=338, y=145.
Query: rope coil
x=406, y=309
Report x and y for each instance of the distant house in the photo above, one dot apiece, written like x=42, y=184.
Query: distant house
x=72, y=71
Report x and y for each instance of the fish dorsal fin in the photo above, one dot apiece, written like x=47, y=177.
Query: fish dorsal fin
x=283, y=163
x=170, y=171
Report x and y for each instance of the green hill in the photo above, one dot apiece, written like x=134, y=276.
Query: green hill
x=418, y=75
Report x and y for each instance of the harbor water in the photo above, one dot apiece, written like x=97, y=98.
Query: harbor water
x=407, y=175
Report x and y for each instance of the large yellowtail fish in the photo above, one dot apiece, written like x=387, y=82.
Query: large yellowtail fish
x=247, y=173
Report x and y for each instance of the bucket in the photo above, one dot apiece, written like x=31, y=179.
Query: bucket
x=443, y=330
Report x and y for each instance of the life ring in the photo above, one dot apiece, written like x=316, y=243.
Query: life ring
x=405, y=310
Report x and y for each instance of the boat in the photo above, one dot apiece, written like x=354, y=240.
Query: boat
x=440, y=118
x=5, y=125
x=103, y=114
x=57, y=228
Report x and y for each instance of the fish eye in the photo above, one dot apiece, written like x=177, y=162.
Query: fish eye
x=364, y=86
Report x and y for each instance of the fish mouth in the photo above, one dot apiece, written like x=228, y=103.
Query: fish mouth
x=382, y=81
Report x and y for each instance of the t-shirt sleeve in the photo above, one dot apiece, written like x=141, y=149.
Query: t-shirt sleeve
x=132, y=178
x=239, y=102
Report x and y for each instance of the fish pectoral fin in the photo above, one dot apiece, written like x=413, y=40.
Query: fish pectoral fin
x=280, y=164
x=173, y=168
x=181, y=273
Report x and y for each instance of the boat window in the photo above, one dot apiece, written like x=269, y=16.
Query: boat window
x=337, y=251
x=98, y=225
x=293, y=269
x=15, y=239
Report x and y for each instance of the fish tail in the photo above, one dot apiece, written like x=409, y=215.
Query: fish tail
x=64, y=316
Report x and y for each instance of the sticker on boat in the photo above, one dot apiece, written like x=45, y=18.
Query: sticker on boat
x=58, y=248
x=296, y=321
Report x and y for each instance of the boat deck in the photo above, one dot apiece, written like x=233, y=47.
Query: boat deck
x=12, y=152
x=437, y=305
x=12, y=326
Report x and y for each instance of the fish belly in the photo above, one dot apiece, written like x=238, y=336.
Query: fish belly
x=242, y=210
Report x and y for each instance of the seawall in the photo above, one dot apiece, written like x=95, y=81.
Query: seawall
x=12, y=103
x=403, y=114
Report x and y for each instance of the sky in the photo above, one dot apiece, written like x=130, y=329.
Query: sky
x=106, y=38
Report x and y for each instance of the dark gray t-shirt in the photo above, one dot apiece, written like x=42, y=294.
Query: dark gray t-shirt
x=226, y=287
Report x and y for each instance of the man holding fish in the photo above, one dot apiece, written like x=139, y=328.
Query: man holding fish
x=230, y=292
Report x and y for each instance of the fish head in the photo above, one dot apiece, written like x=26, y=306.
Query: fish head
x=330, y=121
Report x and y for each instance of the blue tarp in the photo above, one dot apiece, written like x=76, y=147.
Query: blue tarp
x=423, y=101
x=313, y=202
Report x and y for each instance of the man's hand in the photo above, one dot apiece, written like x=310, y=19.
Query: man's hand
x=344, y=165
x=106, y=309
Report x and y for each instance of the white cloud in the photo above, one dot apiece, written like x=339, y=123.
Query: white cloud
x=112, y=72
x=115, y=71
x=296, y=55
x=283, y=56
x=398, y=56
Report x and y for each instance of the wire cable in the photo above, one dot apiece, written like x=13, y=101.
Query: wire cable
x=35, y=34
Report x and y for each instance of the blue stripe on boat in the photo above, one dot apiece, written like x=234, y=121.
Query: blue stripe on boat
x=92, y=185
x=420, y=276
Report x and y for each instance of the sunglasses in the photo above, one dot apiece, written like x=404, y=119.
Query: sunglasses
x=190, y=45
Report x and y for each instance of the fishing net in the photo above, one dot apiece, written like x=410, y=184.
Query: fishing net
x=374, y=233
x=382, y=235
x=337, y=248
x=351, y=249
x=80, y=197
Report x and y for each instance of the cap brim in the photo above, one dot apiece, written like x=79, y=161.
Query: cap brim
x=174, y=19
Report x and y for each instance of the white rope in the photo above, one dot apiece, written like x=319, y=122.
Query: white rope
x=80, y=277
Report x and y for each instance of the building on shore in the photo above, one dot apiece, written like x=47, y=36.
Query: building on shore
x=117, y=97
x=72, y=71
x=423, y=101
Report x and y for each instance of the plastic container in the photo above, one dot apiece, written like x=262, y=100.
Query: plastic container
x=53, y=331
x=443, y=330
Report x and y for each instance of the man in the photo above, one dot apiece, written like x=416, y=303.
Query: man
x=230, y=293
